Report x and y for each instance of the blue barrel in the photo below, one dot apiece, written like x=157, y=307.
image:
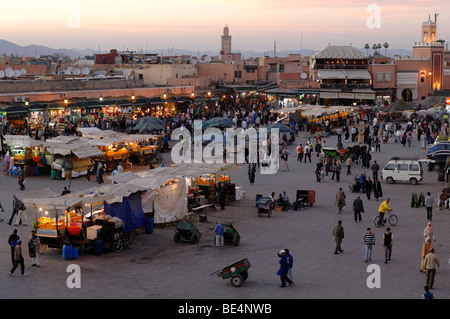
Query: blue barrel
x=67, y=252
x=149, y=225
x=258, y=196
x=35, y=170
x=75, y=253
x=98, y=246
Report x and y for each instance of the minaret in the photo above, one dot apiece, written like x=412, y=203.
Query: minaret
x=226, y=41
x=429, y=31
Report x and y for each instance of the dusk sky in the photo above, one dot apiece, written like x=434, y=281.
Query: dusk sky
x=198, y=24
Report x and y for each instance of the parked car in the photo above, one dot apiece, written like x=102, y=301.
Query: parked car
x=402, y=170
x=438, y=146
x=439, y=159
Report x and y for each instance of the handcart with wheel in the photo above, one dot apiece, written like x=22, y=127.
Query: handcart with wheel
x=187, y=231
x=306, y=197
x=237, y=272
x=231, y=235
x=264, y=206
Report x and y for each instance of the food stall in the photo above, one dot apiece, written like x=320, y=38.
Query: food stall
x=58, y=219
x=114, y=152
x=146, y=151
x=332, y=114
x=27, y=153
x=71, y=152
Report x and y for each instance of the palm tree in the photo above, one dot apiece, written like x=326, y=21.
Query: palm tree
x=374, y=47
x=367, y=47
x=386, y=46
x=379, y=46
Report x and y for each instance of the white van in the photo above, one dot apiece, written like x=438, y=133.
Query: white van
x=400, y=169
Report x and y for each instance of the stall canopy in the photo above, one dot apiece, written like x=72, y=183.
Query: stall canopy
x=107, y=137
x=219, y=122
x=22, y=141
x=52, y=202
x=67, y=145
x=46, y=192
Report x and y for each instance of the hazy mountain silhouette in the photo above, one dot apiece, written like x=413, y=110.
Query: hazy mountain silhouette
x=8, y=48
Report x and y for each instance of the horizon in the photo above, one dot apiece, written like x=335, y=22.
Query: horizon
x=198, y=25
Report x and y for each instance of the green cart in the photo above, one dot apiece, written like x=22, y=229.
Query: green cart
x=237, y=272
x=264, y=205
x=230, y=235
x=186, y=231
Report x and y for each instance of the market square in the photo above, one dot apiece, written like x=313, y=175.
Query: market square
x=196, y=159
x=307, y=233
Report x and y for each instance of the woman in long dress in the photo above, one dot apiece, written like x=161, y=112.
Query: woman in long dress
x=6, y=162
x=426, y=248
x=428, y=232
x=377, y=191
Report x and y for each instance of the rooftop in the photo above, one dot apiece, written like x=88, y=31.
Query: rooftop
x=340, y=52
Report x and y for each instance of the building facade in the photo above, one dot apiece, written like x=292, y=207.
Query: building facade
x=413, y=77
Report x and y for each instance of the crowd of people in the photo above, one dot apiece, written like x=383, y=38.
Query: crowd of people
x=374, y=132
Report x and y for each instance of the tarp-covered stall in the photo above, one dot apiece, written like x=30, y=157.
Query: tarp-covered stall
x=129, y=210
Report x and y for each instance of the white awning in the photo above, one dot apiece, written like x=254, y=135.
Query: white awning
x=342, y=74
x=332, y=74
x=87, y=151
x=358, y=75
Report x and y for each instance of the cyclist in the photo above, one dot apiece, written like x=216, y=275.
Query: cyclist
x=382, y=209
x=340, y=199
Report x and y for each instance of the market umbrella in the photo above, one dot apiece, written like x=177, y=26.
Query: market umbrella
x=148, y=126
x=281, y=127
x=218, y=122
x=149, y=119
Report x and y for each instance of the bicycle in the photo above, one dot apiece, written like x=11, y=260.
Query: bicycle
x=392, y=219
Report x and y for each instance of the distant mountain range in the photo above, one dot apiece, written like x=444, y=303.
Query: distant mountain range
x=9, y=48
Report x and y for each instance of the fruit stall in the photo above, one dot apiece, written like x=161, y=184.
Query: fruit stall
x=27, y=153
x=58, y=219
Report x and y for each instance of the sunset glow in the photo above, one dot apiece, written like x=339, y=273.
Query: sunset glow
x=197, y=25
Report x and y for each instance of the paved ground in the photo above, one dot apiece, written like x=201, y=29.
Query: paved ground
x=157, y=267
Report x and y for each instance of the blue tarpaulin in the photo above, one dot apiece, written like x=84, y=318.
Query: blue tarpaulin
x=129, y=210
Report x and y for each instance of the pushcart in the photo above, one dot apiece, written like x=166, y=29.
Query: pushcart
x=306, y=197
x=113, y=236
x=186, y=231
x=335, y=153
x=237, y=272
x=264, y=206
x=231, y=235
x=355, y=185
